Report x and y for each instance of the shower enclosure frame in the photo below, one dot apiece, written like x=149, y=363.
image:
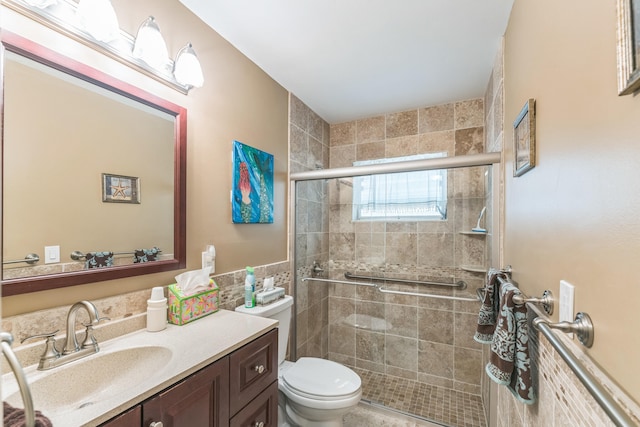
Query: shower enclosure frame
x=485, y=159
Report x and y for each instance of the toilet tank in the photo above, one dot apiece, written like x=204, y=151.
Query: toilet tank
x=279, y=310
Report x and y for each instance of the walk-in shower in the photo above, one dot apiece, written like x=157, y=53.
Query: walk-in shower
x=387, y=264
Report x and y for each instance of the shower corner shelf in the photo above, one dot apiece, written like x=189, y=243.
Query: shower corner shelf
x=473, y=268
x=473, y=233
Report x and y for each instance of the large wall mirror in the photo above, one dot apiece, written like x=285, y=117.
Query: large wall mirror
x=94, y=174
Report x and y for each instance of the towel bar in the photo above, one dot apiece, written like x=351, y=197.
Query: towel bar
x=546, y=301
x=77, y=255
x=582, y=326
x=29, y=259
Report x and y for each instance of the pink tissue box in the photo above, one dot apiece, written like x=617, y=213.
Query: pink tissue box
x=187, y=308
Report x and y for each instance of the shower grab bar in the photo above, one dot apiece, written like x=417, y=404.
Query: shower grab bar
x=390, y=291
x=29, y=259
x=6, y=339
x=460, y=284
x=614, y=410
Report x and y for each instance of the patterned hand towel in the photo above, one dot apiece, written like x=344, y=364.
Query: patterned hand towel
x=15, y=417
x=509, y=361
x=98, y=260
x=489, y=308
x=145, y=255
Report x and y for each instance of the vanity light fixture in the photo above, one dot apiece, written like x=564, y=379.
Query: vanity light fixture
x=186, y=67
x=98, y=18
x=94, y=23
x=150, y=46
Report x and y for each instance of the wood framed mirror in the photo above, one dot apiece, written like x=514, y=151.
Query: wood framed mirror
x=54, y=193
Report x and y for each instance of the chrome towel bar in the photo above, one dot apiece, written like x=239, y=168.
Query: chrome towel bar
x=583, y=326
x=460, y=284
x=546, y=301
x=77, y=255
x=29, y=259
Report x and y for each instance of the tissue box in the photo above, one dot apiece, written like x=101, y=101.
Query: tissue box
x=187, y=308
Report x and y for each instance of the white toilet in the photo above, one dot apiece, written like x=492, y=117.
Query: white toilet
x=312, y=391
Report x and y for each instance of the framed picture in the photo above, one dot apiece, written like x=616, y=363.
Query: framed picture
x=524, y=139
x=252, y=194
x=120, y=189
x=628, y=46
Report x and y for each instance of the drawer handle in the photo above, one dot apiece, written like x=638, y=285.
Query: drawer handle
x=156, y=424
x=259, y=369
x=258, y=424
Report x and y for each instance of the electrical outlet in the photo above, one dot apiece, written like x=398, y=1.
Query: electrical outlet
x=567, y=294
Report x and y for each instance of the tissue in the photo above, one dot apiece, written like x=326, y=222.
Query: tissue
x=194, y=295
x=191, y=282
x=269, y=293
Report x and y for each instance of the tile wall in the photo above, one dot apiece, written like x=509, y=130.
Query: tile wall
x=309, y=150
x=428, y=340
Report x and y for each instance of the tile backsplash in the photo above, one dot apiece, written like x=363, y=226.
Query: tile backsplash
x=126, y=312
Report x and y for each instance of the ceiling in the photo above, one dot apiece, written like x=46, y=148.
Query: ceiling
x=350, y=59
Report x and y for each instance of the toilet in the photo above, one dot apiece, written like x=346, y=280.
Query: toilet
x=311, y=391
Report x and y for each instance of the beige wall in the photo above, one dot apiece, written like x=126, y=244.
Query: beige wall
x=575, y=216
x=238, y=101
x=53, y=194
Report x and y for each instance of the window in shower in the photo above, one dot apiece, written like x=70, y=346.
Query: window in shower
x=408, y=196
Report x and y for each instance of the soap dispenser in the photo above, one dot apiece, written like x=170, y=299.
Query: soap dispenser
x=157, y=310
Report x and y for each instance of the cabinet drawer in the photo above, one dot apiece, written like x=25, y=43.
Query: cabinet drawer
x=262, y=411
x=252, y=368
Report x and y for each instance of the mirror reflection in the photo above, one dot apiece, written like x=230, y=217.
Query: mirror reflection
x=89, y=177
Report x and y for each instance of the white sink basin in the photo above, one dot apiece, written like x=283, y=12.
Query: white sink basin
x=92, y=379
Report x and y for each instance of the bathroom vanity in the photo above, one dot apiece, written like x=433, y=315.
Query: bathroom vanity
x=238, y=390
x=217, y=371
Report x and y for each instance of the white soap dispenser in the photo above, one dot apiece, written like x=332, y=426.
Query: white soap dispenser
x=157, y=310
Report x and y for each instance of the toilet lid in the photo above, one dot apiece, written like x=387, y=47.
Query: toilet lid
x=321, y=377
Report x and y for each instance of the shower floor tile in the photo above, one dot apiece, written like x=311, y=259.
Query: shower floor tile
x=440, y=405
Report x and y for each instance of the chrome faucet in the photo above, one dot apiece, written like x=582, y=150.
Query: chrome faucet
x=72, y=350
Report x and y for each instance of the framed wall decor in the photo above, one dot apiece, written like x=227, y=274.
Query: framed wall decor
x=524, y=139
x=628, y=46
x=120, y=189
x=252, y=194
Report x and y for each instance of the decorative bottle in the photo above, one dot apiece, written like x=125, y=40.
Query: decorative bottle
x=249, y=289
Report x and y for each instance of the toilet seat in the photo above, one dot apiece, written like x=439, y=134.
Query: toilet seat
x=320, y=379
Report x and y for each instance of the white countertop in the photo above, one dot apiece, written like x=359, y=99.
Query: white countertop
x=188, y=349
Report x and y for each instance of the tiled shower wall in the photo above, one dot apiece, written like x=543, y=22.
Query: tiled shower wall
x=421, y=339
x=309, y=150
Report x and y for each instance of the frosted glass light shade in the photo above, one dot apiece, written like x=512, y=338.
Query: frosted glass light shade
x=187, y=69
x=41, y=4
x=98, y=18
x=150, y=46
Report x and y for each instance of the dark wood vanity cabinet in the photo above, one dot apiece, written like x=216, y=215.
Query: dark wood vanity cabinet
x=239, y=390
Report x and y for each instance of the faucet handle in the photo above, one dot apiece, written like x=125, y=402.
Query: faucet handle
x=45, y=335
x=50, y=350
